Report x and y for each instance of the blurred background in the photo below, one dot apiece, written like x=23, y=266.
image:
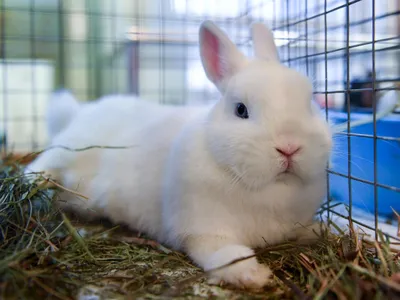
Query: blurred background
x=150, y=48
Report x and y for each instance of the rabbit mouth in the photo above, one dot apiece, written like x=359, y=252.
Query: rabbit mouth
x=286, y=166
x=258, y=181
x=288, y=170
x=287, y=175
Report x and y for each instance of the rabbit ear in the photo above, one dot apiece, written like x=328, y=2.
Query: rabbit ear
x=264, y=44
x=219, y=55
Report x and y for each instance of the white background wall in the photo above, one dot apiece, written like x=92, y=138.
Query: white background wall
x=24, y=89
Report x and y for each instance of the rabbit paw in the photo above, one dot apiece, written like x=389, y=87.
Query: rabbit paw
x=41, y=178
x=244, y=274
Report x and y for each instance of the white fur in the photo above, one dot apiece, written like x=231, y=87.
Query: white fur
x=61, y=110
x=263, y=43
x=200, y=179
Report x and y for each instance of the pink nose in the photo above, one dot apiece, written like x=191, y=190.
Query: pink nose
x=288, y=151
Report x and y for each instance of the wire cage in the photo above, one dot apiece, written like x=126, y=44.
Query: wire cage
x=350, y=49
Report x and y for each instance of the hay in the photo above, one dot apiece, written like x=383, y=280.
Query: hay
x=45, y=255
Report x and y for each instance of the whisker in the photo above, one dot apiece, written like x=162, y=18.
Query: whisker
x=354, y=164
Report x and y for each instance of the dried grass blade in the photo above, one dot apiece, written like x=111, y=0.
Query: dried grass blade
x=373, y=275
x=76, y=236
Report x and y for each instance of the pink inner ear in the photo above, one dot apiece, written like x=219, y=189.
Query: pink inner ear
x=211, y=48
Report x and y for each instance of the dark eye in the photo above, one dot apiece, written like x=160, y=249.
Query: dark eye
x=241, y=111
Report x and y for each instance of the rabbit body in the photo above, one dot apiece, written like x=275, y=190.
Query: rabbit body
x=212, y=181
x=122, y=183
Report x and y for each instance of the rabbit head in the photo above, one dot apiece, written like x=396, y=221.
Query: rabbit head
x=265, y=127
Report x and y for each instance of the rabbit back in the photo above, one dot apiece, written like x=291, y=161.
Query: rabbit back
x=122, y=174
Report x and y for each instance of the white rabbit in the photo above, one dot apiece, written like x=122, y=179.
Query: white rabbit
x=213, y=181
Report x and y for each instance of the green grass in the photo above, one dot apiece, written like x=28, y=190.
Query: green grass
x=45, y=254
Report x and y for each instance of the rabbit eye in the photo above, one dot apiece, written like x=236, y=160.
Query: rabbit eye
x=241, y=111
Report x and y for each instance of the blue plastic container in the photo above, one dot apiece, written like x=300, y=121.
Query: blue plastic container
x=362, y=164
